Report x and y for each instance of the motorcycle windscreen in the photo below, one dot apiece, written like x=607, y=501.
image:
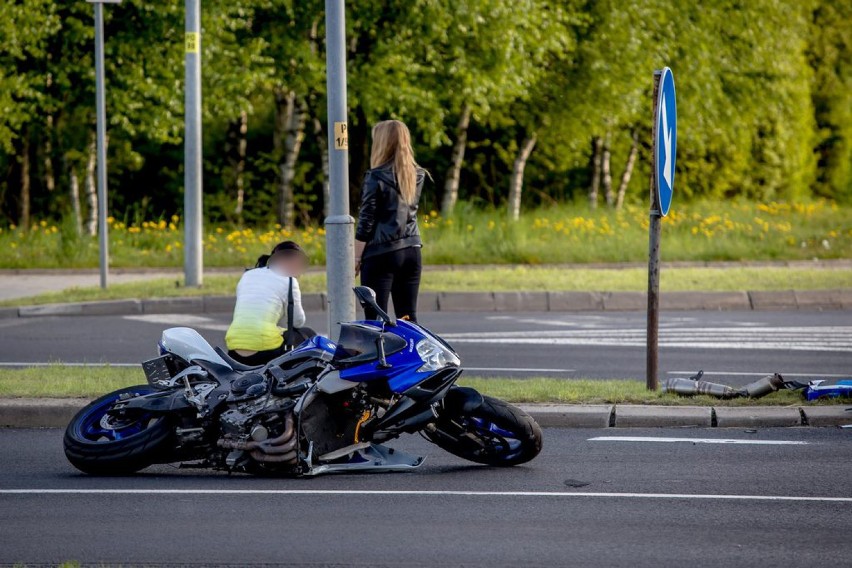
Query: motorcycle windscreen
x=359, y=343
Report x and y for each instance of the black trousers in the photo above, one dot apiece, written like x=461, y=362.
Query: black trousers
x=394, y=274
x=291, y=339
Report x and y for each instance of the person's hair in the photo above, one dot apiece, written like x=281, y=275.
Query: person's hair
x=285, y=248
x=392, y=143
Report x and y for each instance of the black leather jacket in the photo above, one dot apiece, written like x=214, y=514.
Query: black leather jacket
x=385, y=222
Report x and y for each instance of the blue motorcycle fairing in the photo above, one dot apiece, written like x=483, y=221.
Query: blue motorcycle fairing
x=402, y=372
x=317, y=342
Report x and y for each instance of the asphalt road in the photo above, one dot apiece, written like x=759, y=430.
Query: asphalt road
x=731, y=347
x=582, y=502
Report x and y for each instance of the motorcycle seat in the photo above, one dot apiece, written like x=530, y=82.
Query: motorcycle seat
x=222, y=373
x=234, y=364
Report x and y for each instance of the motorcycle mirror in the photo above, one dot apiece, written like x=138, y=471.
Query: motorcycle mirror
x=367, y=298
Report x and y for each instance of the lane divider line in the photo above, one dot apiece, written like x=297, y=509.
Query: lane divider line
x=697, y=440
x=518, y=370
x=426, y=493
x=750, y=374
x=64, y=364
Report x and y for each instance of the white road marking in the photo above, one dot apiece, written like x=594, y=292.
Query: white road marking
x=64, y=364
x=424, y=493
x=517, y=370
x=828, y=338
x=742, y=374
x=22, y=364
x=187, y=320
x=697, y=440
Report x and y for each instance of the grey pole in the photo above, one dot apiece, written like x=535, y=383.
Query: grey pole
x=100, y=112
x=192, y=205
x=653, y=260
x=340, y=240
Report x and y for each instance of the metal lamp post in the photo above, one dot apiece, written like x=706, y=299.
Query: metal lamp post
x=192, y=194
x=340, y=240
x=100, y=112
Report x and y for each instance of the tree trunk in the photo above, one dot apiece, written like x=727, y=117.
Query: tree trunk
x=294, y=131
x=451, y=185
x=74, y=195
x=281, y=109
x=597, y=150
x=49, y=176
x=284, y=103
x=319, y=132
x=606, y=173
x=628, y=170
x=236, y=150
x=517, y=182
x=359, y=154
x=24, y=201
x=91, y=188
x=322, y=143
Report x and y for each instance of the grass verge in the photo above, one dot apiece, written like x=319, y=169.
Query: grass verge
x=561, y=233
x=498, y=279
x=59, y=381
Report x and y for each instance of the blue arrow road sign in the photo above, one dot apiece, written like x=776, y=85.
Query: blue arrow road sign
x=665, y=141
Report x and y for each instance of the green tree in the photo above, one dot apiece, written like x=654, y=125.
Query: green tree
x=830, y=57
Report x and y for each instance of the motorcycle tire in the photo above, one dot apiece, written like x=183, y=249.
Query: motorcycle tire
x=516, y=434
x=99, y=444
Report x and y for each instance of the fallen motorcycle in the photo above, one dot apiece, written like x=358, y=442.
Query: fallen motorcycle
x=323, y=407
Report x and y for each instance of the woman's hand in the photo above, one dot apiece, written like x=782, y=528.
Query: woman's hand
x=359, y=251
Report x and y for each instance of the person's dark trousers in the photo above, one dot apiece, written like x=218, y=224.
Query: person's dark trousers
x=394, y=274
x=291, y=339
x=259, y=358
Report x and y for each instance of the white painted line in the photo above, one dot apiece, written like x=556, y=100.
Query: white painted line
x=697, y=440
x=741, y=374
x=803, y=332
x=813, y=339
x=64, y=364
x=198, y=322
x=518, y=370
x=78, y=364
x=171, y=319
x=447, y=493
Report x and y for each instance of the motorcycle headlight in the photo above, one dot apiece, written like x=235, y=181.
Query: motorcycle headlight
x=435, y=356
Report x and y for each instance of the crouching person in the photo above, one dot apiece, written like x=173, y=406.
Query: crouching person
x=266, y=295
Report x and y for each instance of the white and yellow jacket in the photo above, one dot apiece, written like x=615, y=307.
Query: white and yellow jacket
x=261, y=305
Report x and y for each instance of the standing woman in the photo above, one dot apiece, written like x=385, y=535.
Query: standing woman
x=387, y=240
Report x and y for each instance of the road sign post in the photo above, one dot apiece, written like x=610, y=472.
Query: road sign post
x=662, y=184
x=192, y=193
x=100, y=117
x=339, y=238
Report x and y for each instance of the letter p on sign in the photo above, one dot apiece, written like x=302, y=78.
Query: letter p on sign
x=341, y=136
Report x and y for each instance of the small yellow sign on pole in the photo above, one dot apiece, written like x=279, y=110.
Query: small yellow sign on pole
x=192, y=42
x=341, y=136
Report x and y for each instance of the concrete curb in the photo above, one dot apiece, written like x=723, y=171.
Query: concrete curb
x=56, y=413
x=840, y=299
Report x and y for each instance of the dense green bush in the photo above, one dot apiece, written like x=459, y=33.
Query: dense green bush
x=764, y=98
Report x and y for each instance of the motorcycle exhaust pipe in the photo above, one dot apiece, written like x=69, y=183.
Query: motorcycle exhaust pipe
x=289, y=458
x=278, y=445
x=689, y=387
x=762, y=387
x=269, y=448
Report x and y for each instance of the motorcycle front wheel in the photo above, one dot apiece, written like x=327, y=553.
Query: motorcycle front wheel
x=495, y=433
x=98, y=443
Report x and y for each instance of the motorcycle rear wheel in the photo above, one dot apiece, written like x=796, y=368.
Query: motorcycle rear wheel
x=511, y=436
x=100, y=444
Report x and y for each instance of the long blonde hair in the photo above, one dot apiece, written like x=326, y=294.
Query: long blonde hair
x=392, y=142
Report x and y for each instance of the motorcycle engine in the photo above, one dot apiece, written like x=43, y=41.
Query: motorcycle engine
x=330, y=422
x=241, y=417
